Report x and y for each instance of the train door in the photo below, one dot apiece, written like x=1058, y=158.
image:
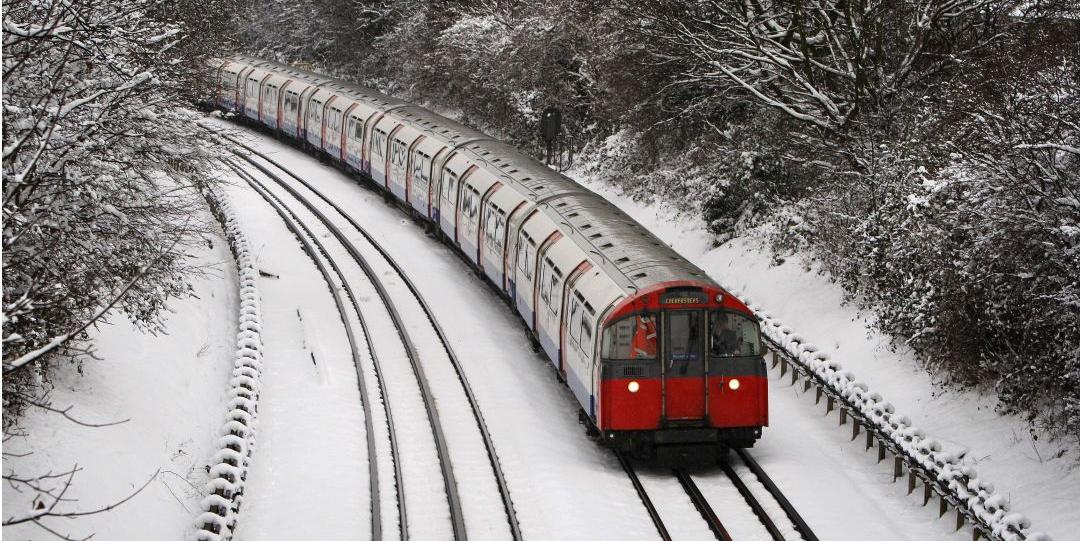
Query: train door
x=378, y=156
x=468, y=216
x=242, y=86
x=279, y=104
x=522, y=287
x=395, y=179
x=684, y=364
x=268, y=104
x=550, y=294
x=332, y=128
x=493, y=219
x=571, y=329
x=506, y=262
x=414, y=161
x=353, y=142
x=346, y=129
x=448, y=202
x=433, y=196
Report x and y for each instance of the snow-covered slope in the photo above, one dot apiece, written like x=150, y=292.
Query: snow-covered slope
x=171, y=387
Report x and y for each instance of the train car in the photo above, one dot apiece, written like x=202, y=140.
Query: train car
x=659, y=356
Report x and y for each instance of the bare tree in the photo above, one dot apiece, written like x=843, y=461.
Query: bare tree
x=833, y=66
x=102, y=169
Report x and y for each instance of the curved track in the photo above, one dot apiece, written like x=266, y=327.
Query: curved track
x=458, y=524
x=450, y=485
x=303, y=235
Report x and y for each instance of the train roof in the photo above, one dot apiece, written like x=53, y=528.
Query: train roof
x=609, y=236
x=640, y=256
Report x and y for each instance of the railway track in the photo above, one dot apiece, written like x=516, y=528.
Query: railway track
x=312, y=247
x=777, y=517
x=264, y=165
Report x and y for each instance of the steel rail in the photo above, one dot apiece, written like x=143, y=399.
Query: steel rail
x=798, y=522
x=490, y=447
x=373, y=466
x=703, y=506
x=454, y=501
x=646, y=501
x=756, y=507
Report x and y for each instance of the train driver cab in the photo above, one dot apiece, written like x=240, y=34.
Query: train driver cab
x=684, y=359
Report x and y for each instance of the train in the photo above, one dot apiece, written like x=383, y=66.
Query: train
x=660, y=358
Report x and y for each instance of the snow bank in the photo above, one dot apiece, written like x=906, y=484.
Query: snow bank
x=957, y=483
x=218, y=511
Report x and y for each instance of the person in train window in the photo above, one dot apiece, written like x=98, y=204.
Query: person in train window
x=644, y=342
x=723, y=339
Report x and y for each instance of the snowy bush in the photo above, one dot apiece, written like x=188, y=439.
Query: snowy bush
x=101, y=167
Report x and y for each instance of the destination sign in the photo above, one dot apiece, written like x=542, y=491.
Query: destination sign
x=684, y=297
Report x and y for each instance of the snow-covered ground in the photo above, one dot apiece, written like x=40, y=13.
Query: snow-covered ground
x=1040, y=478
x=171, y=387
x=309, y=471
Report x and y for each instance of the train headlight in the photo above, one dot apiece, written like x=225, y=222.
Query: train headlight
x=734, y=384
x=719, y=298
x=633, y=386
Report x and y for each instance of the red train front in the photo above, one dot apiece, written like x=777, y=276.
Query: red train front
x=682, y=370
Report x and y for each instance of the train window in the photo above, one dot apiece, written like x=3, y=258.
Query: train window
x=490, y=225
x=334, y=121
x=398, y=154
x=553, y=279
x=467, y=204
x=421, y=165
x=450, y=179
x=733, y=335
x=545, y=286
x=573, y=325
x=378, y=140
x=501, y=227
x=526, y=249
x=358, y=129
x=634, y=337
x=586, y=334
x=475, y=204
